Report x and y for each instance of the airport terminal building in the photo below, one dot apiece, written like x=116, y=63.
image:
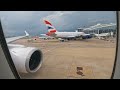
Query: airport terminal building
x=99, y=28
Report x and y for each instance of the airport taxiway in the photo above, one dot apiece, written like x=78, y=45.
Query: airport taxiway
x=81, y=59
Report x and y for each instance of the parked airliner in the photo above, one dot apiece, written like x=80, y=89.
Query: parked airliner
x=64, y=35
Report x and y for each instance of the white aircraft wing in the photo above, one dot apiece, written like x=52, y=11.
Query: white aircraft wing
x=43, y=34
x=85, y=34
x=8, y=40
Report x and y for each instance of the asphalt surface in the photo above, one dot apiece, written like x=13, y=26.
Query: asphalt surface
x=81, y=59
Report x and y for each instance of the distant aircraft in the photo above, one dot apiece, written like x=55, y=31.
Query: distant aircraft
x=64, y=35
x=26, y=59
x=103, y=35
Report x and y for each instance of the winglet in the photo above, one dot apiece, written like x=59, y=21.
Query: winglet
x=26, y=33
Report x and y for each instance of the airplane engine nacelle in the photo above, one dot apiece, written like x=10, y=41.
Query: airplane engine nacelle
x=26, y=59
x=87, y=37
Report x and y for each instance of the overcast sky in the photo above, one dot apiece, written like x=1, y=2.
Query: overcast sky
x=16, y=22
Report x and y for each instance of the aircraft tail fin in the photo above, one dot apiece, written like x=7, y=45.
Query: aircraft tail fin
x=50, y=27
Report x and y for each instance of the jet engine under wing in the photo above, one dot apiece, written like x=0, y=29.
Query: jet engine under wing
x=26, y=59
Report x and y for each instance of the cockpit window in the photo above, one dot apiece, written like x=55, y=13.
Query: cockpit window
x=61, y=44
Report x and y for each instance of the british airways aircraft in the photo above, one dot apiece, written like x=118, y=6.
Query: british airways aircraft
x=64, y=35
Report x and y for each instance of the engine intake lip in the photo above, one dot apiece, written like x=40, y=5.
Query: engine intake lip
x=34, y=61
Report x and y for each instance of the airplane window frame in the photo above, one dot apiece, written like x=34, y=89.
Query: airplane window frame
x=117, y=44
x=12, y=66
x=6, y=52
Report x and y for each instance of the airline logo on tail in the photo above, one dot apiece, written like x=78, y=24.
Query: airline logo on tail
x=51, y=28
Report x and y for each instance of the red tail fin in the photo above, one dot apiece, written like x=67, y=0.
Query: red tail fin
x=50, y=27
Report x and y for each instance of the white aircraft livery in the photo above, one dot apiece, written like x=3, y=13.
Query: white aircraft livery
x=64, y=35
x=26, y=59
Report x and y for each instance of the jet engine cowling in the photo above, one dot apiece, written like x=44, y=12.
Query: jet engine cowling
x=26, y=59
x=86, y=37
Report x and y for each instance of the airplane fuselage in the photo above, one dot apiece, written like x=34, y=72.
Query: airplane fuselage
x=68, y=34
